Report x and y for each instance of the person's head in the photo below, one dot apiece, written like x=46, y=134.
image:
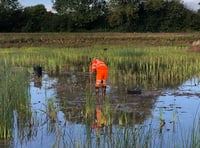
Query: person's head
x=95, y=59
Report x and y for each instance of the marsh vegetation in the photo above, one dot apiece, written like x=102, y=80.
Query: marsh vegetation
x=60, y=107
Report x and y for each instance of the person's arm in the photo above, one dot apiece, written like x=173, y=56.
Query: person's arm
x=90, y=67
x=93, y=67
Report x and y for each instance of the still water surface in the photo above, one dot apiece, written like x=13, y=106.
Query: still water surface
x=177, y=108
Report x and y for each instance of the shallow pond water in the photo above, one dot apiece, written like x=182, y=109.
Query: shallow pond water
x=169, y=114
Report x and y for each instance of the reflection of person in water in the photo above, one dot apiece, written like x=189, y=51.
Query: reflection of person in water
x=37, y=82
x=37, y=76
x=100, y=120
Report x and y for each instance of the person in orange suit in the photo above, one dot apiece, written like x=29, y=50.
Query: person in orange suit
x=101, y=70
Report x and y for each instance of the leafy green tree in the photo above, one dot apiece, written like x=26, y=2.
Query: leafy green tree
x=175, y=16
x=10, y=4
x=34, y=17
x=56, y=23
x=198, y=11
x=10, y=11
x=101, y=15
x=82, y=12
x=154, y=11
x=123, y=14
x=5, y=20
x=193, y=22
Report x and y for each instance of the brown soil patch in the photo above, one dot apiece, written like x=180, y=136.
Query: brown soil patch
x=89, y=39
x=194, y=49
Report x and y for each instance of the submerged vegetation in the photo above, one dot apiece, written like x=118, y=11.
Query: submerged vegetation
x=131, y=66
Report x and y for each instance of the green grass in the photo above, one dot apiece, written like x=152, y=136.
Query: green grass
x=148, y=66
x=14, y=97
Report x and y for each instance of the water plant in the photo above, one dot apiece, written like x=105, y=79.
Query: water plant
x=14, y=96
x=149, y=67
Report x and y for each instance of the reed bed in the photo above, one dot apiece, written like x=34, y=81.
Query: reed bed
x=149, y=67
x=14, y=97
x=131, y=66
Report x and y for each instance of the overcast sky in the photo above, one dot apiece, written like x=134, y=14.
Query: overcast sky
x=48, y=3
x=192, y=4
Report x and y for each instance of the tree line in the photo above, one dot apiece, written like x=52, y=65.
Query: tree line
x=99, y=15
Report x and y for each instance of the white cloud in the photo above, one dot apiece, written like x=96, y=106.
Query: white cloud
x=192, y=4
x=187, y=1
x=47, y=3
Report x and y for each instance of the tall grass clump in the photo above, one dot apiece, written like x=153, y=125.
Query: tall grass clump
x=14, y=96
x=90, y=103
x=193, y=138
x=130, y=66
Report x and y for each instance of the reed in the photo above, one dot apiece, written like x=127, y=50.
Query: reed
x=14, y=96
x=89, y=104
x=193, y=140
x=52, y=111
x=147, y=66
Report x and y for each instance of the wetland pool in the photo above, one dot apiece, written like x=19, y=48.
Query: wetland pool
x=166, y=117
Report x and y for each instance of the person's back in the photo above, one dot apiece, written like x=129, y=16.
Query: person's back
x=101, y=70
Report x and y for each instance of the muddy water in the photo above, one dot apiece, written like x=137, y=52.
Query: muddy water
x=168, y=113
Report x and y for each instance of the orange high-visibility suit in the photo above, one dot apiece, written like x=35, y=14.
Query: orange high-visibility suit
x=101, y=71
x=100, y=120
